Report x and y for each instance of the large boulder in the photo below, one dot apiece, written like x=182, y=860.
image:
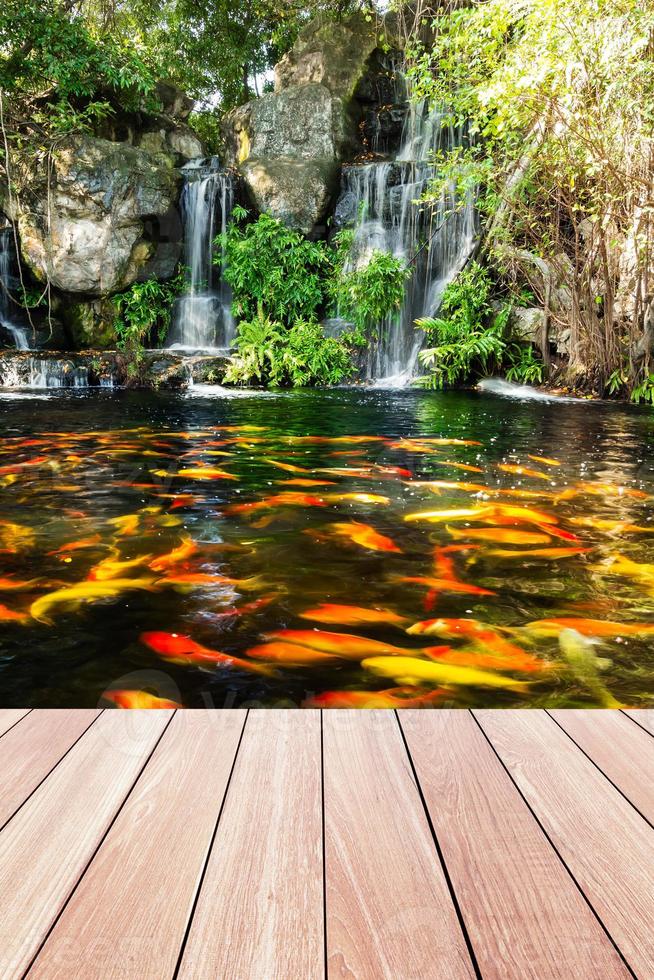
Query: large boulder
x=108, y=216
x=289, y=143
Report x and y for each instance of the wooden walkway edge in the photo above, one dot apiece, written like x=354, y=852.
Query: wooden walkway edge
x=304, y=844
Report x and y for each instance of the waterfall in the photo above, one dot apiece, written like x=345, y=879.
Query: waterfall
x=18, y=333
x=202, y=318
x=383, y=201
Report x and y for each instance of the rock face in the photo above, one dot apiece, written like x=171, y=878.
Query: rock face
x=289, y=144
x=92, y=234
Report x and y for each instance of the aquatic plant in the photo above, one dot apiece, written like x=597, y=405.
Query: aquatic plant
x=270, y=354
x=471, y=337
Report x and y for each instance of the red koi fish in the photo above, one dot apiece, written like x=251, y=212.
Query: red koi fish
x=395, y=697
x=184, y=650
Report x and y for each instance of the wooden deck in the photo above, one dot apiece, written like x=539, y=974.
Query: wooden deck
x=295, y=844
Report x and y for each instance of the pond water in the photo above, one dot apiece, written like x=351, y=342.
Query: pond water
x=350, y=547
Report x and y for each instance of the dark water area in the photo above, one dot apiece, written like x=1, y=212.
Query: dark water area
x=129, y=563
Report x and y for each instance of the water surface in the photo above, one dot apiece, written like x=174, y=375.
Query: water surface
x=108, y=488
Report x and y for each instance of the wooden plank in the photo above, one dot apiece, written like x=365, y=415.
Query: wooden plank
x=45, y=848
x=642, y=716
x=389, y=910
x=130, y=911
x=608, y=847
x=30, y=750
x=622, y=750
x=523, y=912
x=10, y=716
x=260, y=908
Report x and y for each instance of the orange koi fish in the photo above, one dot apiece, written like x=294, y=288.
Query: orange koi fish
x=459, y=466
x=437, y=485
x=438, y=516
x=357, y=498
x=500, y=535
x=182, y=649
x=365, y=536
x=606, y=524
x=601, y=490
x=11, y=584
x=89, y=542
x=558, y=532
x=200, y=473
x=289, y=467
x=285, y=499
x=394, y=697
x=9, y=616
x=138, y=700
x=299, y=482
x=444, y=585
x=184, y=550
x=517, y=470
x=544, y=459
x=587, y=627
x=127, y=525
x=332, y=613
x=482, y=654
x=344, y=645
x=392, y=470
x=452, y=442
x=291, y=654
x=553, y=553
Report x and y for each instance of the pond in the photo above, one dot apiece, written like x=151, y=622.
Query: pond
x=349, y=547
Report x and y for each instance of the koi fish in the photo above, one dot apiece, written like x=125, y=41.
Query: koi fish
x=198, y=473
x=544, y=459
x=284, y=499
x=66, y=549
x=438, y=516
x=15, y=537
x=17, y=585
x=411, y=670
x=606, y=524
x=580, y=654
x=452, y=442
x=392, y=470
x=10, y=616
x=289, y=467
x=182, y=649
x=184, y=550
x=601, y=490
x=437, y=485
x=459, y=466
x=587, y=627
x=365, y=536
x=394, y=697
x=444, y=584
x=110, y=568
x=74, y=595
x=138, y=700
x=357, y=498
x=485, y=654
x=553, y=553
x=500, y=535
x=343, y=645
x=291, y=654
x=524, y=515
x=127, y=525
x=300, y=482
x=621, y=565
x=517, y=470
x=351, y=615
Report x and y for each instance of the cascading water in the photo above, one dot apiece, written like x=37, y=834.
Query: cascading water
x=383, y=199
x=202, y=318
x=7, y=321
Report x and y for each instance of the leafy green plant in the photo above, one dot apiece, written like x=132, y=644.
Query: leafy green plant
x=471, y=338
x=644, y=392
x=272, y=267
x=144, y=311
x=368, y=295
x=268, y=353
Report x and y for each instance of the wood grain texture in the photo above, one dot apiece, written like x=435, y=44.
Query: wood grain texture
x=525, y=916
x=46, y=846
x=608, y=847
x=622, y=750
x=260, y=910
x=129, y=914
x=10, y=716
x=642, y=716
x=389, y=911
x=30, y=750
